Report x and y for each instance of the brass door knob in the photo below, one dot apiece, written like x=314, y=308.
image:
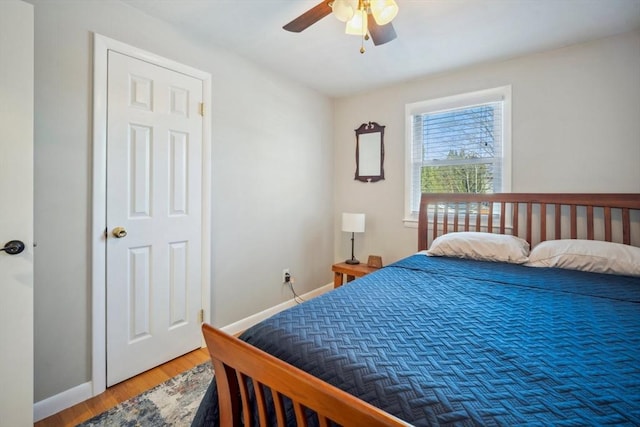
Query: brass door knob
x=119, y=232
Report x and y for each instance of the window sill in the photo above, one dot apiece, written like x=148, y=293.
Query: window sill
x=410, y=222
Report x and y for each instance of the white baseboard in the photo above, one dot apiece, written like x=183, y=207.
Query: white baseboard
x=244, y=324
x=54, y=404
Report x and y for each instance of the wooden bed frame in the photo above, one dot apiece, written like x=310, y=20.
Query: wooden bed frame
x=235, y=362
x=606, y=217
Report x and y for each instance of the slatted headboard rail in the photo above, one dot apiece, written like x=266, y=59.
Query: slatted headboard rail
x=441, y=213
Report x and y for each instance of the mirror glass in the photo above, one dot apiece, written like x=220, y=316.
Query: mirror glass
x=369, y=152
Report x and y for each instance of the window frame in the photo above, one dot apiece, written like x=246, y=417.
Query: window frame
x=469, y=99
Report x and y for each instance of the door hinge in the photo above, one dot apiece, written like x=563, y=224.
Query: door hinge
x=202, y=109
x=201, y=316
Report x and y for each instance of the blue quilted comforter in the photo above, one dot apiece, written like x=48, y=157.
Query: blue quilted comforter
x=440, y=341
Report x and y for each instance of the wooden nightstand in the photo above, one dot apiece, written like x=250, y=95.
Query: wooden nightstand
x=351, y=270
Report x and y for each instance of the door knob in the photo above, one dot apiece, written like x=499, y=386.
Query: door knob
x=119, y=232
x=13, y=247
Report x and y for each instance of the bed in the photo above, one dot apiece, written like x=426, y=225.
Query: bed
x=478, y=334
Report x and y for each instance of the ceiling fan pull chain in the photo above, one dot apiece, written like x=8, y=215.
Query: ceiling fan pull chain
x=364, y=23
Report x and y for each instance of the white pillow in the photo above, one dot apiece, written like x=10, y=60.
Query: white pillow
x=481, y=246
x=587, y=255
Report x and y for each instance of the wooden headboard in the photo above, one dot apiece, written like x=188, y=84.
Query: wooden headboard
x=532, y=216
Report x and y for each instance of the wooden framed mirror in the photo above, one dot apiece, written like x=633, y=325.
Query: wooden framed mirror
x=370, y=152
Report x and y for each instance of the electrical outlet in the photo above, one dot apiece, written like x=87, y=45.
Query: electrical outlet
x=286, y=275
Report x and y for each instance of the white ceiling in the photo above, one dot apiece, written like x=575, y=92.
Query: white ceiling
x=434, y=36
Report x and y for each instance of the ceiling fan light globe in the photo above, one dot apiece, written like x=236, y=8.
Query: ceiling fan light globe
x=343, y=10
x=383, y=11
x=357, y=25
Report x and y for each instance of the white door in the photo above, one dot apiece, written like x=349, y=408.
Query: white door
x=16, y=213
x=154, y=215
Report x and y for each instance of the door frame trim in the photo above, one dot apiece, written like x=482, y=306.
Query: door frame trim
x=101, y=47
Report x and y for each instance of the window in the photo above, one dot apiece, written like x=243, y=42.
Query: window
x=458, y=144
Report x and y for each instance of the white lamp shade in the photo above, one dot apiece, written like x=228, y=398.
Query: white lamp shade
x=384, y=11
x=357, y=26
x=344, y=9
x=353, y=222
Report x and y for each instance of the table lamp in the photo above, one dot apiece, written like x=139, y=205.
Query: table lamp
x=353, y=223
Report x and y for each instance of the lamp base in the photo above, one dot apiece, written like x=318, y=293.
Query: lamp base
x=352, y=261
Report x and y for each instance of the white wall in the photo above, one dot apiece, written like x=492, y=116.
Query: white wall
x=576, y=128
x=272, y=179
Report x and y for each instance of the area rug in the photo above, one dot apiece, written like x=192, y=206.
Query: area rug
x=172, y=403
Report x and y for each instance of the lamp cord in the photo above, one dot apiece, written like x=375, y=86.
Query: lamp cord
x=297, y=298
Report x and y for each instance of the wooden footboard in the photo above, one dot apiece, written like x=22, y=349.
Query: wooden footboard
x=235, y=363
x=532, y=216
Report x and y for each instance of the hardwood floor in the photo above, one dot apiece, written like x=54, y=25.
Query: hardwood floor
x=125, y=390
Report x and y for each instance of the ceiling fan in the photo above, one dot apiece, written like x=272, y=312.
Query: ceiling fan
x=366, y=18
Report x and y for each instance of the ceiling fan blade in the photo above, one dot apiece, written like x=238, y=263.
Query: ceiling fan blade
x=380, y=34
x=309, y=18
